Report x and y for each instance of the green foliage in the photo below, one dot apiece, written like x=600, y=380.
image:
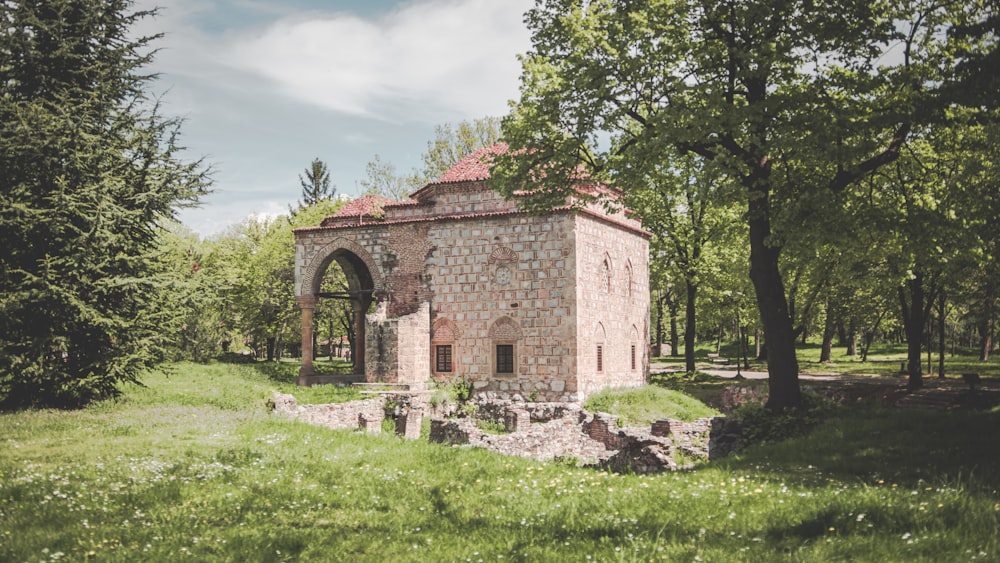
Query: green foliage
x=795, y=105
x=90, y=172
x=450, y=144
x=163, y=474
x=758, y=424
x=316, y=185
x=644, y=405
x=458, y=391
x=491, y=426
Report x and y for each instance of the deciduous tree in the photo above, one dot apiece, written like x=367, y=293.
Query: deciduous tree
x=790, y=98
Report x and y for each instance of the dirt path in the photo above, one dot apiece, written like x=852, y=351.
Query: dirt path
x=937, y=393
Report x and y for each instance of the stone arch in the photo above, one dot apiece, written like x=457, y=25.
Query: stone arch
x=364, y=281
x=445, y=330
x=353, y=259
x=629, y=280
x=505, y=329
x=600, y=349
x=444, y=334
x=635, y=353
x=502, y=254
x=600, y=335
x=504, y=335
x=607, y=273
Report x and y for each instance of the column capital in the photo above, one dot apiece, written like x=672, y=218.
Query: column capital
x=306, y=301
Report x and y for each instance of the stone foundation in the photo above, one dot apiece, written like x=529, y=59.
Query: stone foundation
x=541, y=431
x=593, y=439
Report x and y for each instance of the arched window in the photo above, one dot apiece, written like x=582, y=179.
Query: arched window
x=629, y=281
x=599, y=337
x=443, y=339
x=606, y=274
x=504, y=334
x=634, y=349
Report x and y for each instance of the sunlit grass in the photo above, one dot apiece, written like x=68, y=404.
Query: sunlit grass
x=194, y=467
x=882, y=360
x=645, y=405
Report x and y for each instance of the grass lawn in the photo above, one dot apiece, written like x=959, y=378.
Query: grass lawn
x=883, y=359
x=192, y=466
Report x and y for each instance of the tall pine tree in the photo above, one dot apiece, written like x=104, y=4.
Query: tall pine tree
x=89, y=171
x=316, y=185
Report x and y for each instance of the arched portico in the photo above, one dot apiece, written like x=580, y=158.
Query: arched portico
x=364, y=282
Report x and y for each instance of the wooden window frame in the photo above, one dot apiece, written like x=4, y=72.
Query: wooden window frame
x=509, y=360
x=445, y=363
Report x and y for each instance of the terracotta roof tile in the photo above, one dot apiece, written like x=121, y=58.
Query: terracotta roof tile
x=367, y=206
x=474, y=167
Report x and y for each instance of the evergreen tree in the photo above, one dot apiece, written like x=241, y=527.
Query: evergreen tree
x=90, y=169
x=316, y=184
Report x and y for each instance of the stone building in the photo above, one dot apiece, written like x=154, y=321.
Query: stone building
x=466, y=286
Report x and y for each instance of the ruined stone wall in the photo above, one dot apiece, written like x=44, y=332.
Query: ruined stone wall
x=336, y=415
x=612, y=269
x=592, y=439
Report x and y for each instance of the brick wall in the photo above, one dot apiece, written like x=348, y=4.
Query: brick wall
x=612, y=269
x=494, y=275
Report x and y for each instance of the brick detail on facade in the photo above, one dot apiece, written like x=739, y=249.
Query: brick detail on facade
x=459, y=264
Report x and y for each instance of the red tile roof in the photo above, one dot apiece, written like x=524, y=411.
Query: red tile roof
x=367, y=206
x=474, y=167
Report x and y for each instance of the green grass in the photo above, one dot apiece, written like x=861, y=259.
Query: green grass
x=883, y=360
x=642, y=406
x=887, y=359
x=194, y=467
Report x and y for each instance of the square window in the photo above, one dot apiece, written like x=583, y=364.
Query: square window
x=505, y=358
x=442, y=358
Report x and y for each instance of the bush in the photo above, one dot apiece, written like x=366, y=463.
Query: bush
x=759, y=425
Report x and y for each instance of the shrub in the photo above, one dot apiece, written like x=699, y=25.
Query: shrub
x=759, y=425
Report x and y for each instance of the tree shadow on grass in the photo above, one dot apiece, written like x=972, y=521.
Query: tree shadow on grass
x=906, y=446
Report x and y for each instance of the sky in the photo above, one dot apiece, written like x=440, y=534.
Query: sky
x=266, y=86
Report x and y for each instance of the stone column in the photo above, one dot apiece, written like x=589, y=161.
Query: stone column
x=360, y=308
x=306, y=305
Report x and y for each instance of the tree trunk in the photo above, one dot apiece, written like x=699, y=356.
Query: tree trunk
x=941, y=334
x=986, y=325
x=270, y=348
x=782, y=365
x=659, y=326
x=829, y=331
x=852, y=339
x=281, y=339
x=690, y=326
x=675, y=348
x=911, y=300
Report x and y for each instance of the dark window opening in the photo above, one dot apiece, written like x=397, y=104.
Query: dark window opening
x=600, y=358
x=505, y=358
x=442, y=357
x=633, y=357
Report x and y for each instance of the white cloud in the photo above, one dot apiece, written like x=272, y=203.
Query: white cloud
x=423, y=61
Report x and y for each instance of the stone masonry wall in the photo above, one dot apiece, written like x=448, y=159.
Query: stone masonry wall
x=514, y=270
x=554, y=287
x=612, y=269
x=335, y=415
x=593, y=439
